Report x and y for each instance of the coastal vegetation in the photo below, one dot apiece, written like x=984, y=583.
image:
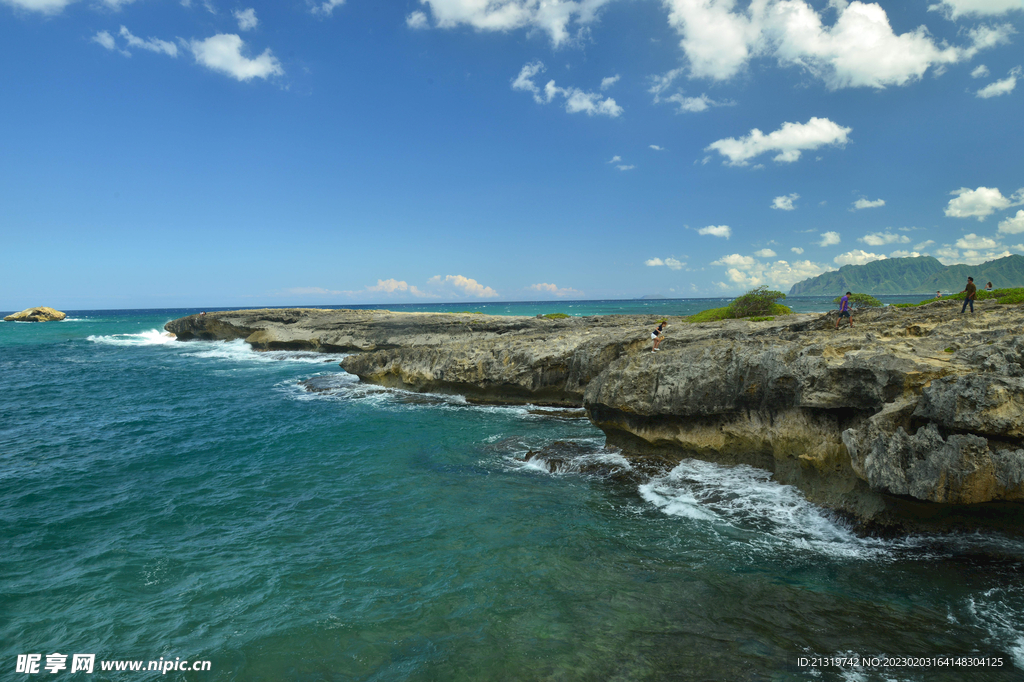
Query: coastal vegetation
x=1005, y=296
x=921, y=274
x=860, y=301
x=757, y=305
x=555, y=316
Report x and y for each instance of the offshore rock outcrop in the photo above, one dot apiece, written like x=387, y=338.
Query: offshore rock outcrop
x=914, y=413
x=40, y=314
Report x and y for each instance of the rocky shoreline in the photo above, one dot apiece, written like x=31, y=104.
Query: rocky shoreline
x=913, y=418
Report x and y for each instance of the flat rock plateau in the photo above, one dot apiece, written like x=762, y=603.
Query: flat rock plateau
x=40, y=314
x=912, y=419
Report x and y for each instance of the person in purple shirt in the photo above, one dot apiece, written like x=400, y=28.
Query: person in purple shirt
x=844, y=309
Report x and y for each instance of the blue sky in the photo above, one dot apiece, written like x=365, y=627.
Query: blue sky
x=160, y=153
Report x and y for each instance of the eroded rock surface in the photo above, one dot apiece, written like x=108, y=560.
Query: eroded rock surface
x=40, y=314
x=917, y=409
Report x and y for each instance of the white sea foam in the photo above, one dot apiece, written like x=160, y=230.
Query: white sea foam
x=153, y=337
x=999, y=612
x=746, y=504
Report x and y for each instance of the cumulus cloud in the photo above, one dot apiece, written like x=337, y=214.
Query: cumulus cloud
x=866, y=203
x=981, y=203
x=785, y=202
x=326, y=9
x=789, y=141
x=656, y=148
x=153, y=44
x=223, y=53
x=980, y=71
x=859, y=50
x=624, y=167
x=924, y=245
x=716, y=231
x=957, y=8
x=903, y=253
x=765, y=253
x=670, y=263
x=747, y=272
x=551, y=16
x=829, y=239
x=883, y=238
x=973, y=241
x=105, y=39
x=609, y=81
x=555, y=290
x=576, y=100
x=247, y=20
x=797, y=250
x=41, y=6
x=417, y=20
x=467, y=286
x=1014, y=225
x=394, y=286
x=1001, y=87
x=972, y=249
x=857, y=257
x=686, y=104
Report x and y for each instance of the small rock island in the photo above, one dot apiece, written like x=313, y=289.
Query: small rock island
x=914, y=418
x=40, y=314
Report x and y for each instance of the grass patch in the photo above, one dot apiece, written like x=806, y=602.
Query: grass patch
x=726, y=313
x=1009, y=296
x=951, y=350
x=761, y=319
x=555, y=316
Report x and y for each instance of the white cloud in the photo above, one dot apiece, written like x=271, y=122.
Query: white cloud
x=615, y=159
x=417, y=20
x=153, y=44
x=829, y=239
x=859, y=50
x=43, y=6
x=551, y=16
x=789, y=141
x=785, y=202
x=765, y=253
x=956, y=8
x=468, y=286
x=326, y=9
x=656, y=148
x=624, y=167
x=609, y=81
x=716, y=231
x=105, y=39
x=973, y=241
x=246, y=19
x=797, y=250
x=554, y=289
x=393, y=286
x=981, y=202
x=883, y=238
x=223, y=53
x=865, y=203
x=576, y=100
x=980, y=71
x=1001, y=87
x=1014, y=225
x=924, y=245
x=671, y=263
x=903, y=253
x=856, y=257
x=695, y=104
x=746, y=272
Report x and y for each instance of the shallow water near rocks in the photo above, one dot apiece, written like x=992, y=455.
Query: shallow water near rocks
x=198, y=500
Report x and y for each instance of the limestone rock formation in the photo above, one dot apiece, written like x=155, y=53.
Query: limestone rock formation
x=41, y=314
x=910, y=413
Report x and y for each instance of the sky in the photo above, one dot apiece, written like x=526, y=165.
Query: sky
x=215, y=153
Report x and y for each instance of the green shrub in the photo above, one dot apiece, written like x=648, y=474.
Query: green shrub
x=555, y=316
x=711, y=315
x=951, y=350
x=858, y=301
x=756, y=302
x=761, y=319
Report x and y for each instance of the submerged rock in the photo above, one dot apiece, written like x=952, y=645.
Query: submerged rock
x=40, y=314
x=913, y=413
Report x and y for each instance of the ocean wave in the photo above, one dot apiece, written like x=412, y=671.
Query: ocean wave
x=747, y=505
x=153, y=337
x=240, y=351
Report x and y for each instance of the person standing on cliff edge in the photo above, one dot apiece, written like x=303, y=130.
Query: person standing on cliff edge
x=657, y=336
x=972, y=293
x=844, y=309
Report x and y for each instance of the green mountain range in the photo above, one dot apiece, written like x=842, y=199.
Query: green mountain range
x=921, y=275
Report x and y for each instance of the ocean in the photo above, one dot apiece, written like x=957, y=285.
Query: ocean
x=163, y=501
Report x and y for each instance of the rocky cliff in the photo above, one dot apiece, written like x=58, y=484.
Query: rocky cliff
x=912, y=414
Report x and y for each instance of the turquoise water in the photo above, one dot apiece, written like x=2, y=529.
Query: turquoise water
x=195, y=500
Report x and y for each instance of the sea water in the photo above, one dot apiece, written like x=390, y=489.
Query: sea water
x=166, y=501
